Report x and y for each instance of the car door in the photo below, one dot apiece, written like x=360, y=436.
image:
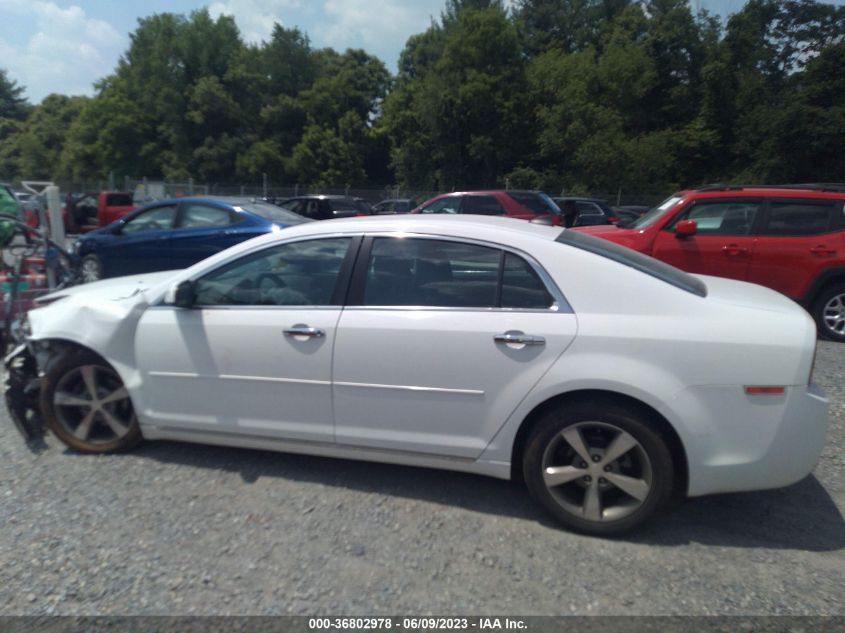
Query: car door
x=724, y=241
x=253, y=357
x=798, y=239
x=202, y=230
x=439, y=342
x=140, y=244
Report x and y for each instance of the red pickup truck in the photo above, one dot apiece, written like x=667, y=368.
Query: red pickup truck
x=94, y=210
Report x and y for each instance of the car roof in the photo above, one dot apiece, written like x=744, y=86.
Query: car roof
x=501, y=230
x=487, y=192
x=579, y=199
x=819, y=190
x=322, y=196
x=221, y=200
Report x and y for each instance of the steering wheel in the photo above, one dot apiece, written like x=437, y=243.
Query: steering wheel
x=275, y=281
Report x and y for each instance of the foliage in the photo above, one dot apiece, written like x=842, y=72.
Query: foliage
x=581, y=95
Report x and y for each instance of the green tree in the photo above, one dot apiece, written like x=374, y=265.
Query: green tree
x=13, y=105
x=460, y=122
x=43, y=135
x=566, y=25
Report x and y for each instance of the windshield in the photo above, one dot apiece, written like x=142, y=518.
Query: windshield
x=273, y=213
x=539, y=203
x=654, y=214
x=638, y=261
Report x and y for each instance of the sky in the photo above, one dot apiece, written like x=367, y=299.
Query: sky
x=63, y=46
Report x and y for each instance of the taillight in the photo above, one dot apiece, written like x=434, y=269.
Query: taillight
x=613, y=219
x=556, y=220
x=764, y=391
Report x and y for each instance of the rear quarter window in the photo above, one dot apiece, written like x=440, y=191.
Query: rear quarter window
x=538, y=203
x=633, y=259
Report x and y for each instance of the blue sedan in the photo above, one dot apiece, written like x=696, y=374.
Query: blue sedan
x=177, y=233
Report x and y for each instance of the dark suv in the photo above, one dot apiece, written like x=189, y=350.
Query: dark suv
x=325, y=207
x=587, y=211
x=524, y=205
x=394, y=205
x=790, y=238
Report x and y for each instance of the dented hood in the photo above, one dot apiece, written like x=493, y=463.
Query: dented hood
x=100, y=315
x=110, y=289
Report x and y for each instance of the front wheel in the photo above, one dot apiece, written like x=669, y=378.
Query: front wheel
x=829, y=313
x=86, y=405
x=91, y=269
x=598, y=468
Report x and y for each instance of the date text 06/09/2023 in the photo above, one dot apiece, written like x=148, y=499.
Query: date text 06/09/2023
x=416, y=623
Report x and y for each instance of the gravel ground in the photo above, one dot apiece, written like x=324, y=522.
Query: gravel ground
x=189, y=529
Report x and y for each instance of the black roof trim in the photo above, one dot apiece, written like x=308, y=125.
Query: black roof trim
x=836, y=187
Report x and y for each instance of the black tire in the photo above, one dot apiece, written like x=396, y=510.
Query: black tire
x=67, y=375
x=91, y=269
x=829, y=313
x=646, y=468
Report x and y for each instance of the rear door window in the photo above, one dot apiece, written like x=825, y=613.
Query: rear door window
x=481, y=205
x=203, y=216
x=444, y=205
x=446, y=274
x=799, y=217
x=155, y=219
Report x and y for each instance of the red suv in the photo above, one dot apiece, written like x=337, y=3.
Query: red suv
x=524, y=205
x=789, y=238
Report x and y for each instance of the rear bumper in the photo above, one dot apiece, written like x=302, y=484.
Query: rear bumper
x=752, y=442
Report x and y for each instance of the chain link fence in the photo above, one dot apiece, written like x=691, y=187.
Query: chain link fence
x=147, y=189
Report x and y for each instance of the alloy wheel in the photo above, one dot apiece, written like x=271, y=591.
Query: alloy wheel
x=597, y=471
x=92, y=404
x=833, y=314
x=91, y=270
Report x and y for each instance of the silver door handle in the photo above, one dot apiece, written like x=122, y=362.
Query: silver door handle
x=304, y=330
x=519, y=338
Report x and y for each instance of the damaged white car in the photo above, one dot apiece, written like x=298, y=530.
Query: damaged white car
x=604, y=378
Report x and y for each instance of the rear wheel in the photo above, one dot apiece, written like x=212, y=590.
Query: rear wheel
x=829, y=313
x=86, y=405
x=598, y=468
x=91, y=269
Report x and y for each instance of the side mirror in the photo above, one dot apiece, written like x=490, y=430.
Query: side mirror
x=117, y=229
x=686, y=228
x=183, y=295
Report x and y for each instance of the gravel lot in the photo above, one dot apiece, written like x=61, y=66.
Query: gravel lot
x=185, y=529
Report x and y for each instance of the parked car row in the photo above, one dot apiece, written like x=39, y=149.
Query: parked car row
x=790, y=239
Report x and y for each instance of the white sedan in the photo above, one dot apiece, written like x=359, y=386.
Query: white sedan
x=605, y=379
